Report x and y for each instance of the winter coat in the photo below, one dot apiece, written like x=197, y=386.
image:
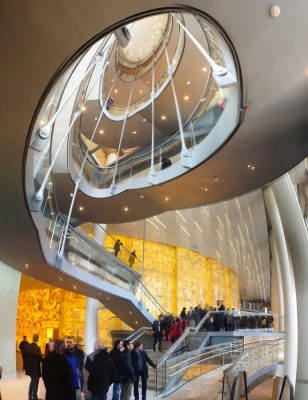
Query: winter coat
x=146, y=359
x=102, y=374
x=33, y=358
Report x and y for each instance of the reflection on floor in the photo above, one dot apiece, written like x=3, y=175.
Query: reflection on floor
x=263, y=391
x=206, y=387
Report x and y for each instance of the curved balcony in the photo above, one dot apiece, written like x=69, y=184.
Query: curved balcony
x=111, y=125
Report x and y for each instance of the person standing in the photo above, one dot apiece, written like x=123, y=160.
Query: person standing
x=132, y=258
x=102, y=374
x=157, y=333
x=75, y=358
x=49, y=347
x=56, y=373
x=22, y=347
x=116, y=355
x=117, y=247
x=140, y=359
x=126, y=371
x=33, y=366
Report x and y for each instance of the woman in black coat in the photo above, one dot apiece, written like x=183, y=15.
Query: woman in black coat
x=56, y=372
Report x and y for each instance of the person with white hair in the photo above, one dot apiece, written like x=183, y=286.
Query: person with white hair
x=102, y=374
x=98, y=345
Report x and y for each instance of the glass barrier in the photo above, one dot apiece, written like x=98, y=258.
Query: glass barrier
x=85, y=253
x=251, y=361
x=179, y=370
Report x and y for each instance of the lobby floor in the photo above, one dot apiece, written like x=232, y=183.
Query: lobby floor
x=206, y=387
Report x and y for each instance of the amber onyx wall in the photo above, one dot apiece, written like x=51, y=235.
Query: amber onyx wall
x=180, y=277
x=53, y=312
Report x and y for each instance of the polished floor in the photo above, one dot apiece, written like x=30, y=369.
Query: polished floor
x=206, y=387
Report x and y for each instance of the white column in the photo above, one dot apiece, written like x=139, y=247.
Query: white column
x=99, y=233
x=290, y=347
x=10, y=281
x=276, y=270
x=297, y=236
x=91, y=330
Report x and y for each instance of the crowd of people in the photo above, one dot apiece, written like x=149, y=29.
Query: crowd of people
x=219, y=318
x=67, y=372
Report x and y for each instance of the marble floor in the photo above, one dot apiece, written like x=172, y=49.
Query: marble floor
x=206, y=387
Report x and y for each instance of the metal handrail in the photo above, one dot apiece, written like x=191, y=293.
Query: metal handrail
x=138, y=333
x=287, y=379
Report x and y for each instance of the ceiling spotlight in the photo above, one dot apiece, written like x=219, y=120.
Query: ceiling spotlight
x=95, y=118
x=142, y=196
x=115, y=90
x=134, y=132
x=74, y=287
x=186, y=98
x=27, y=266
x=136, y=322
x=80, y=208
x=101, y=131
x=215, y=178
x=108, y=298
x=83, y=108
x=163, y=117
x=204, y=69
x=188, y=83
x=205, y=189
x=144, y=120
x=140, y=91
x=167, y=198
x=60, y=278
x=130, y=312
x=71, y=194
x=125, y=209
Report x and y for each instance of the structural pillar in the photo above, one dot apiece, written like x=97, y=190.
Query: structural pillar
x=297, y=237
x=276, y=277
x=290, y=346
x=10, y=279
x=91, y=331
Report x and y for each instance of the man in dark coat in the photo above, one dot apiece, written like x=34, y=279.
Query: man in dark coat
x=33, y=366
x=157, y=327
x=102, y=374
x=22, y=347
x=116, y=355
x=56, y=373
x=139, y=362
x=126, y=371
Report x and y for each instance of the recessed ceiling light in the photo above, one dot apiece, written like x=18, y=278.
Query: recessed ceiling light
x=134, y=132
x=142, y=196
x=49, y=183
x=60, y=278
x=125, y=209
x=115, y=90
x=144, y=120
x=42, y=122
x=95, y=118
x=205, y=189
x=204, y=69
x=83, y=108
x=108, y=298
x=215, y=178
x=130, y=312
x=71, y=194
x=186, y=98
x=27, y=266
x=101, y=131
x=188, y=83
x=136, y=322
x=140, y=91
x=249, y=166
x=80, y=208
x=167, y=198
x=74, y=287
x=163, y=117
x=253, y=167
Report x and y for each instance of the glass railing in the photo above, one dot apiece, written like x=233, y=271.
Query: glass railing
x=197, y=129
x=179, y=370
x=251, y=361
x=85, y=253
x=108, y=243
